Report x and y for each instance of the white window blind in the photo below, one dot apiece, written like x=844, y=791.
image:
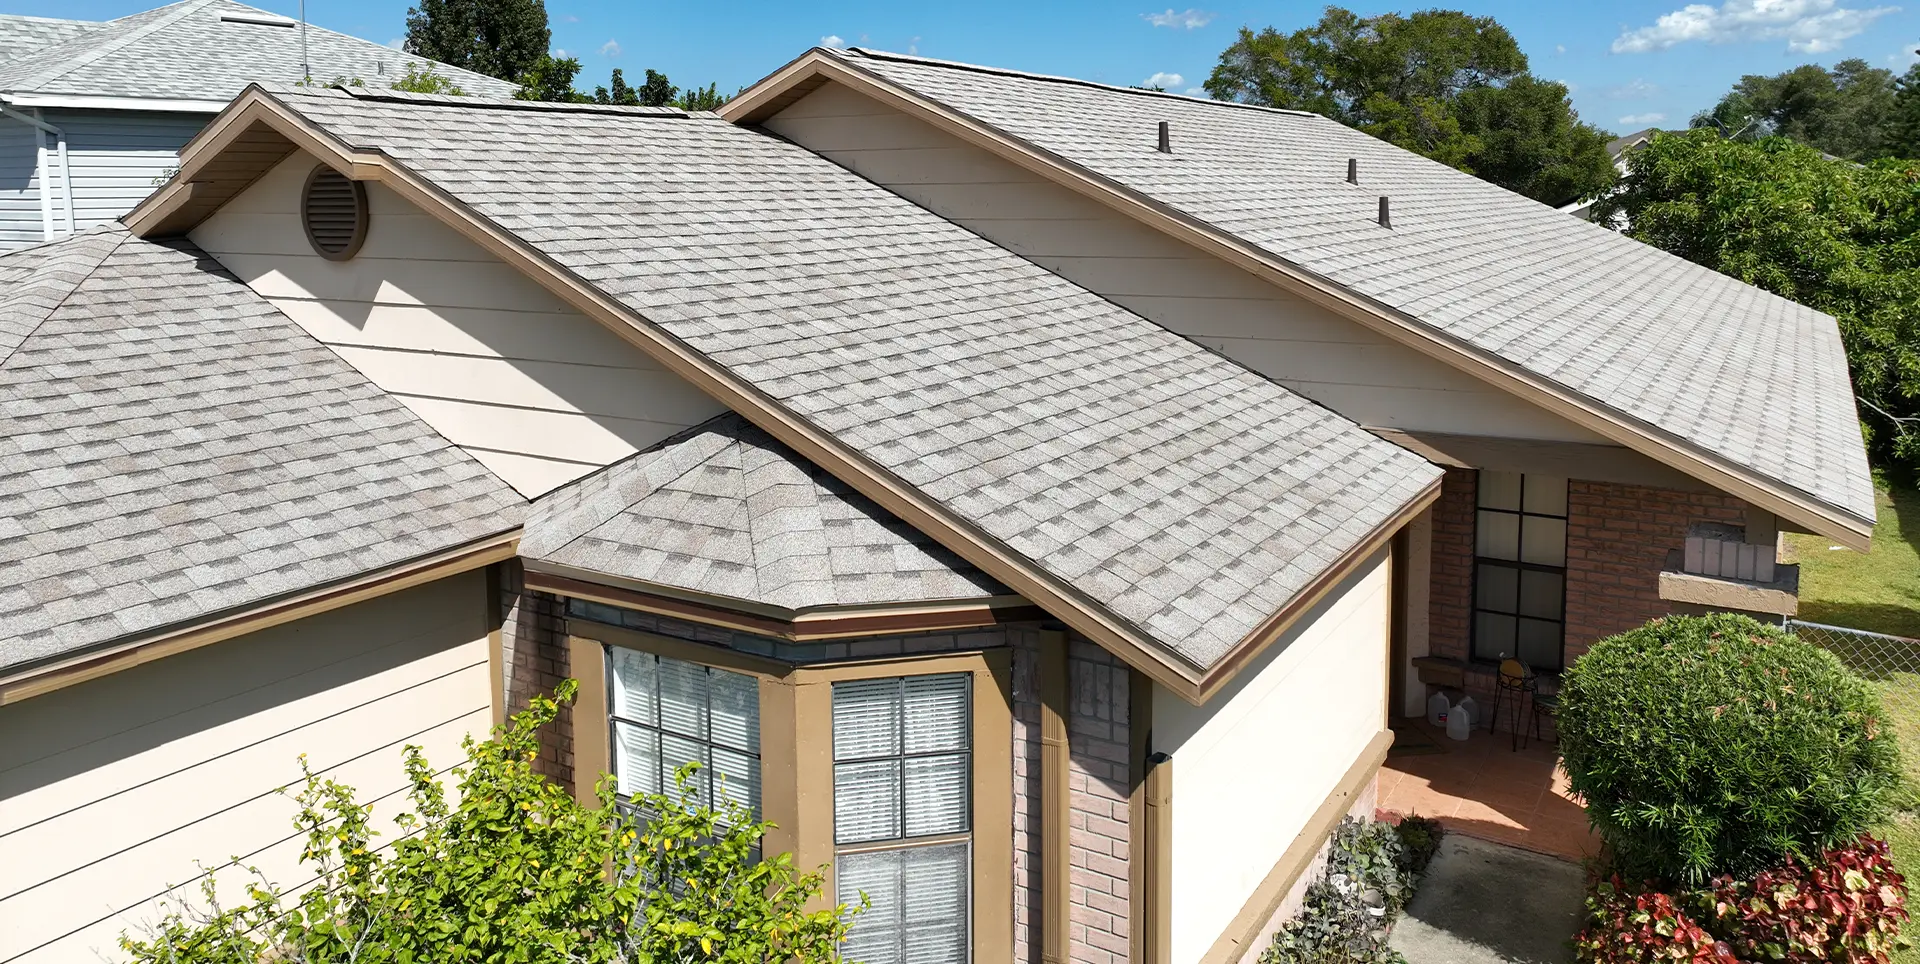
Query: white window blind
x=902, y=807
x=668, y=712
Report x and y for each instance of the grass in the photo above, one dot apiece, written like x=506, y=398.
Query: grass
x=1879, y=591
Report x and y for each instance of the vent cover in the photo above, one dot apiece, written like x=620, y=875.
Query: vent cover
x=334, y=210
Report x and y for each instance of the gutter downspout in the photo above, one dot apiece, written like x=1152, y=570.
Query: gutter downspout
x=66, y=172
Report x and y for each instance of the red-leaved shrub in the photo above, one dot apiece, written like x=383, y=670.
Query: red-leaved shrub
x=1846, y=910
x=1642, y=927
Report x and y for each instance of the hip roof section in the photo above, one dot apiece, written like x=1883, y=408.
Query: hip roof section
x=1709, y=361
x=724, y=509
x=174, y=447
x=1122, y=465
x=205, y=50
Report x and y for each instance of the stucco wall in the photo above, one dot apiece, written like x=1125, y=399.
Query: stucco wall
x=114, y=790
x=1252, y=766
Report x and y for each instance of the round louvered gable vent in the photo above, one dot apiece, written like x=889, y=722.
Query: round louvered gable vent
x=334, y=210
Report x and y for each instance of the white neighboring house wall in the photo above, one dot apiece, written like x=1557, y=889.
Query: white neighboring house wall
x=1330, y=359
x=114, y=790
x=538, y=392
x=1252, y=766
x=114, y=158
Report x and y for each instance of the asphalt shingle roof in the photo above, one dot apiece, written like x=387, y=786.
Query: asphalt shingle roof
x=725, y=509
x=1179, y=491
x=22, y=35
x=188, y=51
x=1727, y=368
x=171, y=446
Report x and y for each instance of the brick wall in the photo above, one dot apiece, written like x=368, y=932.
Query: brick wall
x=1450, y=603
x=533, y=657
x=1026, y=798
x=1099, y=749
x=1618, y=537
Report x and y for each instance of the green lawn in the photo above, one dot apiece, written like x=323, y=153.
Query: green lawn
x=1878, y=591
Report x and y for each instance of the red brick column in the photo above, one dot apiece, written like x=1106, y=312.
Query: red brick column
x=1450, y=605
x=533, y=656
x=1618, y=537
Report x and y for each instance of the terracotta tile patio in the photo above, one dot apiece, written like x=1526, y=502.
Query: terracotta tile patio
x=1484, y=788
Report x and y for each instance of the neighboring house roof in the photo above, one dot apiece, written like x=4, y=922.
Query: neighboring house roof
x=174, y=447
x=1620, y=145
x=22, y=35
x=1172, y=500
x=205, y=51
x=723, y=509
x=1711, y=365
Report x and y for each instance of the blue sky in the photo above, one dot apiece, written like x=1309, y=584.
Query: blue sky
x=1630, y=64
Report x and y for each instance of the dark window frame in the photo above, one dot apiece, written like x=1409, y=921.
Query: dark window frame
x=1474, y=609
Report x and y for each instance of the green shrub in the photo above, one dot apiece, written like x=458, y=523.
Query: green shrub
x=1347, y=911
x=516, y=871
x=1707, y=745
x=1419, y=842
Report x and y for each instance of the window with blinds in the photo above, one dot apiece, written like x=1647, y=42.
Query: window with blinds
x=903, y=816
x=668, y=712
x=1520, y=568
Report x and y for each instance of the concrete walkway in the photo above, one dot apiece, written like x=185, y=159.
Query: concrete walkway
x=1487, y=903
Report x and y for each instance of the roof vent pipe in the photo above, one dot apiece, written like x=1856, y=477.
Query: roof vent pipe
x=1166, y=139
x=1386, y=221
x=1353, y=170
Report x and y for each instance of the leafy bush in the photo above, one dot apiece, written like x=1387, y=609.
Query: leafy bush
x=1419, y=842
x=426, y=81
x=1708, y=745
x=1846, y=909
x=1347, y=912
x=516, y=871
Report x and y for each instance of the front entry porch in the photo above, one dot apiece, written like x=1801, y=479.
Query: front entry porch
x=1485, y=788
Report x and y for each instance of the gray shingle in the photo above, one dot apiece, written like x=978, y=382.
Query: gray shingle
x=173, y=446
x=1725, y=367
x=1048, y=420
x=762, y=524
x=21, y=35
x=186, y=50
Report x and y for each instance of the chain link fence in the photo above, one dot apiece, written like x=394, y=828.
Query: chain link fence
x=1891, y=664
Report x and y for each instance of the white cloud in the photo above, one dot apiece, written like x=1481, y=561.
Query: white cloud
x=1559, y=48
x=1196, y=92
x=913, y=46
x=1903, y=58
x=1188, y=19
x=558, y=53
x=1635, y=89
x=833, y=40
x=570, y=18
x=610, y=49
x=1808, y=26
x=1163, y=79
x=398, y=43
x=1642, y=120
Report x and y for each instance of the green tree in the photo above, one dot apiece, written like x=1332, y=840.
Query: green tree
x=1900, y=130
x=619, y=94
x=499, y=38
x=1840, y=111
x=420, y=81
x=1442, y=83
x=551, y=79
x=516, y=871
x=1838, y=237
x=701, y=98
x=655, y=91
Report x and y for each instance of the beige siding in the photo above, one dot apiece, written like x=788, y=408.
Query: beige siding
x=537, y=391
x=1252, y=766
x=114, y=790
x=1327, y=358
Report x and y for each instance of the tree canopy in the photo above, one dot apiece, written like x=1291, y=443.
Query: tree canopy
x=1838, y=237
x=499, y=38
x=1843, y=111
x=1445, y=84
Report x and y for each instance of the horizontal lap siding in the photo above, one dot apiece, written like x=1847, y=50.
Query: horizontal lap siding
x=116, y=157
x=1252, y=766
x=115, y=790
x=1330, y=359
x=20, y=221
x=535, y=390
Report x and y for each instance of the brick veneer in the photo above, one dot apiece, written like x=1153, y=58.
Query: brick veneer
x=1098, y=781
x=533, y=657
x=1618, y=537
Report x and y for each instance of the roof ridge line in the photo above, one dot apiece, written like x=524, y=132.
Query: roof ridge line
x=39, y=80
x=658, y=449
x=1057, y=79
x=7, y=356
x=28, y=16
x=505, y=103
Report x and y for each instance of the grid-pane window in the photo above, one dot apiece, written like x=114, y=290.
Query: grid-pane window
x=903, y=816
x=668, y=712
x=1520, y=568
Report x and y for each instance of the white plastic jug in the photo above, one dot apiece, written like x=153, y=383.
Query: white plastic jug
x=1437, y=707
x=1468, y=708
x=1457, y=725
